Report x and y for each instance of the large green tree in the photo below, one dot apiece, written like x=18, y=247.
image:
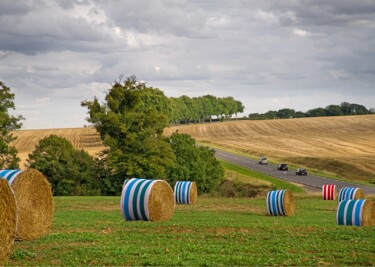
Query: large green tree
x=70, y=171
x=8, y=123
x=131, y=122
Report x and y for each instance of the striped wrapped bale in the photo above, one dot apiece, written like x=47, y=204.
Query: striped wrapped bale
x=356, y=212
x=185, y=192
x=329, y=192
x=348, y=193
x=280, y=203
x=146, y=200
x=8, y=218
x=34, y=200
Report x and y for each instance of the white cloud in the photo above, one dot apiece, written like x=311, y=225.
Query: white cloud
x=300, y=32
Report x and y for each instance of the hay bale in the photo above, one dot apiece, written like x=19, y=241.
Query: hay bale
x=146, y=200
x=329, y=192
x=185, y=192
x=348, y=193
x=280, y=203
x=34, y=200
x=356, y=212
x=8, y=216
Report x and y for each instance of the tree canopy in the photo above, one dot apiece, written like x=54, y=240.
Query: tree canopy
x=8, y=123
x=130, y=122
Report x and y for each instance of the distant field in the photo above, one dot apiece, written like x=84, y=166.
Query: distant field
x=82, y=138
x=214, y=232
x=344, y=146
x=340, y=145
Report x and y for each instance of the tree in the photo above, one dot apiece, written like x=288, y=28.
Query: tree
x=195, y=163
x=70, y=171
x=316, y=112
x=286, y=113
x=8, y=123
x=132, y=131
x=333, y=110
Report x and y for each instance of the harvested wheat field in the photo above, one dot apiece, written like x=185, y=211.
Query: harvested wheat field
x=85, y=138
x=341, y=145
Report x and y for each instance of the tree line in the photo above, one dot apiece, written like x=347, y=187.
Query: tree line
x=344, y=109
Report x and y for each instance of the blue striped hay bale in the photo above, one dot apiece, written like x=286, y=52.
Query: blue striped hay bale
x=8, y=218
x=280, y=203
x=185, y=192
x=348, y=193
x=33, y=195
x=146, y=200
x=356, y=212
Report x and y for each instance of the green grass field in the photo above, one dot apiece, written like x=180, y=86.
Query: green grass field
x=214, y=232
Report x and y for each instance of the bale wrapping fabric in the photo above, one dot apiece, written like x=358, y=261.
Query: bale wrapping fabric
x=348, y=193
x=146, y=200
x=8, y=217
x=329, y=192
x=356, y=212
x=34, y=200
x=280, y=203
x=185, y=192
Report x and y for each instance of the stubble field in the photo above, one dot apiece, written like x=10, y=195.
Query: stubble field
x=340, y=145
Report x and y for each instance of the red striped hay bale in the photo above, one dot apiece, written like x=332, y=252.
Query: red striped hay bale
x=329, y=192
x=8, y=217
x=34, y=200
x=146, y=200
x=280, y=203
x=185, y=192
x=356, y=212
x=348, y=193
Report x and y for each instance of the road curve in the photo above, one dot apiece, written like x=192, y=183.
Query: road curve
x=310, y=182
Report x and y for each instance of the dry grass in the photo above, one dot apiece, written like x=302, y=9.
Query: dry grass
x=82, y=138
x=341, y=145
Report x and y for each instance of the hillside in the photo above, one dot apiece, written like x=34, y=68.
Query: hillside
x=82, y=138
x=341, y=145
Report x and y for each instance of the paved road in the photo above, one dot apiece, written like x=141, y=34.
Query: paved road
x=310, y=182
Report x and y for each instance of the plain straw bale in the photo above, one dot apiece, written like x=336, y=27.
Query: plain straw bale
x=8, y=217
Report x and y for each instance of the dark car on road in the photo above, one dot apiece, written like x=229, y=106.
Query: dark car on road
x=282, y=167
x=301, y=171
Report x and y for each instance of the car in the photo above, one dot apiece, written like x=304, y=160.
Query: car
x=301, y=171
x=282, y=167
x=263, y=160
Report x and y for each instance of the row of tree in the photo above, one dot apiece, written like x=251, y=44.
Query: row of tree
x=344, y=109
x=200, y=109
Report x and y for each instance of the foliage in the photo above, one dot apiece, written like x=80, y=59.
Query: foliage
x=70, y=171
x=8, y=123
x=200, y=109
x=194, y=163
x=131, y=123
x=344, y=108
x=215, y=232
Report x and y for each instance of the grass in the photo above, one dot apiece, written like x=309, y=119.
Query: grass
x=278, y=183
x=312, y=171
x=214, y=232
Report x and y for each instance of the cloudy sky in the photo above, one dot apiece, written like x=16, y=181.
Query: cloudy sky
x=268, y=54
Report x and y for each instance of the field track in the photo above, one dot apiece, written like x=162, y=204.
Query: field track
x=340, y=145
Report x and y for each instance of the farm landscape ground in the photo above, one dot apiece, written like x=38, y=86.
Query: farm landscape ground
x=218, y=231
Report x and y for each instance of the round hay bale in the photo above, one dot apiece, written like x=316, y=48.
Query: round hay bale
x=348, y=193
x=185, y=192
x=329, y=192
x=146, y=200
x=280, y=203
x=8, y=217
x=34, y=200
x=356, y=212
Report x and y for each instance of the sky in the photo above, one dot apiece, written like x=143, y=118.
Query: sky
x=267, y=54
